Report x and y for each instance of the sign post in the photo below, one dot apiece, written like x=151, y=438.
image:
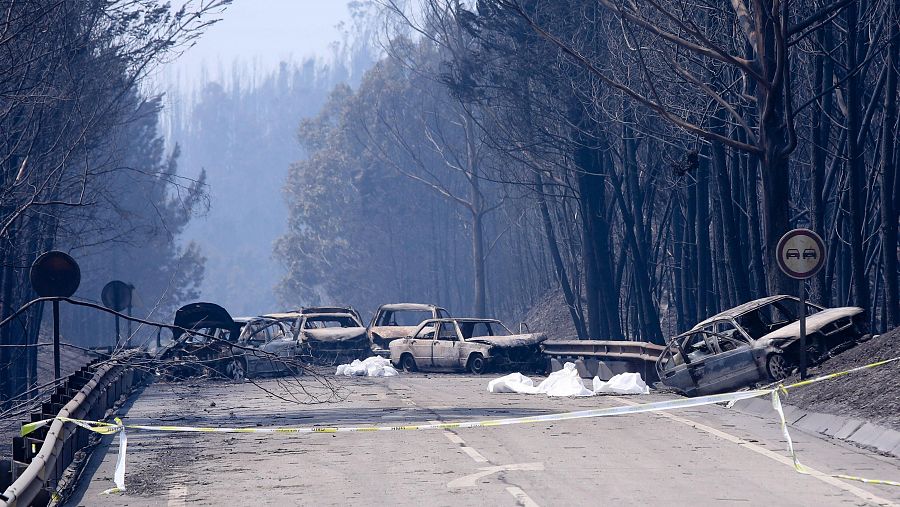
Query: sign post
x=55, y=275
x=801, y=254
x=116, y=295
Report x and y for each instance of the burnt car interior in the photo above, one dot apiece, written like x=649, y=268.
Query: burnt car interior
x=406, y=318
x=767, y=318
x=470, y=329
x=330, y=321
x=263, y=331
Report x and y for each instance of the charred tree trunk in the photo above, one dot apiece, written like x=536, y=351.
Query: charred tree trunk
x=704, y=258
x=888, y=177
x=560, y=268
x=821, y=134
x=855, y=162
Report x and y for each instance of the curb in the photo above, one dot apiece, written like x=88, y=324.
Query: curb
x=856, y=431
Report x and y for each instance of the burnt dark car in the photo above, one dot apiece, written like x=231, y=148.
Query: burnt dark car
x=328, y=335
x=203, y=335
x=755, y=342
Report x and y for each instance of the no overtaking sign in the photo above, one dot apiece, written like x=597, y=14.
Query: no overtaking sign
x=800, y=253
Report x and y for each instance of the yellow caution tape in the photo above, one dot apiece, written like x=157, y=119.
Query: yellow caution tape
x=105, y=428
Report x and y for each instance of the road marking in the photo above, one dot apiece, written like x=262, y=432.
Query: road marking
x=177, y=496
x=523, y=499
x=456, y=439
x=475, y=455
x=472, y=480
x=822, y=476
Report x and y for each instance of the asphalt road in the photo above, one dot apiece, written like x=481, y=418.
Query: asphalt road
x=702, y=456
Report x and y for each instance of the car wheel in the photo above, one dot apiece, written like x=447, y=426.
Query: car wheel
x=408, y=363
x=477, y=364
x=236, y=370
x=778, y=367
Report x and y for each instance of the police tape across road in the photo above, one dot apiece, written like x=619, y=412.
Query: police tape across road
x=119, y=427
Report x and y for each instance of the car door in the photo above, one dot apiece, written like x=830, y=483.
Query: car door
x=257, y=337
x=420, y=345
x=282, y=346
x=445, y=349
x=698, y=349
x=731, y=367
x=673, y=369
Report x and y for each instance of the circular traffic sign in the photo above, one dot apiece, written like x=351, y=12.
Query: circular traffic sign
x=800, y=253
x=55, y=274
x=116, y=295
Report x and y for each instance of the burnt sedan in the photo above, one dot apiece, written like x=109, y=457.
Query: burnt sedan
x=328, y=335
x=755, y=342
x=398, y=320
x=474, y=345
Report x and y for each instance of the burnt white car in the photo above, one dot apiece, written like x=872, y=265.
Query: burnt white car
x=398, y=320
x=476, y=345
x=755, y=342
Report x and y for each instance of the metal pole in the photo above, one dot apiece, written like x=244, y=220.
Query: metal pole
x=56, y=373
x=802, y=329
x=128, y=328
x=118, y=336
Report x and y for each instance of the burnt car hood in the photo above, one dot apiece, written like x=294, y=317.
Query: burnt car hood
x=516, y=340
x=393, y=332
x=814, y=323
x=333, y=335
x=197, y=315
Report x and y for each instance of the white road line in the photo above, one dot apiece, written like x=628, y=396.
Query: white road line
x=456, y=439
x=521, y=497
x=827, y=479
x=453, y=437
x=177, y=496
x=475, y=455
x=473, y=479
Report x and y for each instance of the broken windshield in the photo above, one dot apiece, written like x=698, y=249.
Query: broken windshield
x=329, y=322
x=475, y=329
x=769, y=317
x=403, y=318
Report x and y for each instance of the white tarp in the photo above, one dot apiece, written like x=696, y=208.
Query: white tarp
x=623, y=383
x=369, y=367
x=567, y=382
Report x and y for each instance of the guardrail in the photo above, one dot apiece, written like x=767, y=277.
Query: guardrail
x=41, y=458
x=605, y=357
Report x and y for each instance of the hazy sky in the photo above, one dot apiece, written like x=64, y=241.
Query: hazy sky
x=262, y=31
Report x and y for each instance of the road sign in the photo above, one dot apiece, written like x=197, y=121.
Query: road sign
x=800, y=253
x=55, y=274
x=116, y=295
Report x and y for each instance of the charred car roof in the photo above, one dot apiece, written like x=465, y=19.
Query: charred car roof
x=409, y=307
x=325, y=309
x=741, y=309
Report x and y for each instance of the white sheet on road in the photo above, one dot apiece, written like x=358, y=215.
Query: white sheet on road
x=623, y=383
x=369, y=367
x=567, y=382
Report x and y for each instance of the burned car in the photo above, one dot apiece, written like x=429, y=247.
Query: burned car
x=267, y=347
x=203, y=335
x=398, y=320
x=328, y=335
x=476, y=345
x=755, y=342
